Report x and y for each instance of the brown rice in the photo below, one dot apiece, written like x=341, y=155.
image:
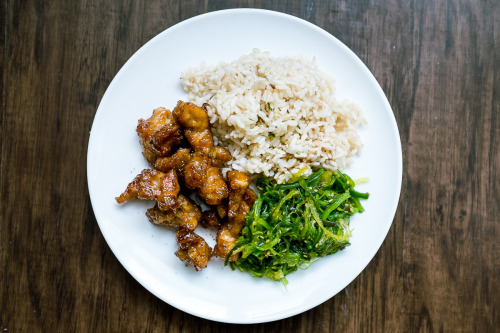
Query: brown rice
x=276, y=115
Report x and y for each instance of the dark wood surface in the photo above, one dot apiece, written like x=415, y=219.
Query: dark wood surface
x=438, y=63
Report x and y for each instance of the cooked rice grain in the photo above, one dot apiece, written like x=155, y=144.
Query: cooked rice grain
x=276, y=115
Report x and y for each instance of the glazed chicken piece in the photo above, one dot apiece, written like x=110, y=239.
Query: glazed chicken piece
x=201, y=175
x=176, y=161
x=238, y=184
x=186, y=215
x=193, y=249
x=191, y=116
x=200, y=140
x=240, y=201
x=222, y=209
x=217, y=214
x=159, y=135
x=229, y=232
x=218, y=156
x=210, y=219
x=195, y=170
x=249, y=197
x=152, y=184
x=196, y=126
x=214, y=188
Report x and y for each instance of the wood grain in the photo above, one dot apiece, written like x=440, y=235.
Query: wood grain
x=438, y=63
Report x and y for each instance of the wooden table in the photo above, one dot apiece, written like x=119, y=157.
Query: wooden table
x=438, y=63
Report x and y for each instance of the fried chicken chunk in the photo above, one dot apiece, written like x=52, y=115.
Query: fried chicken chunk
x=229, y=232
x=152, y=184
x=222, y=209
x=237, y=210
x=210, y=219
x=238, y=184
x=186, y=215
x=159, y=135
x=214, y=188
x=201, y=175
x=249, y=197
x=218, y=156
x=195, y=170
x=196, y=125
x=176, y=161
x=193, y=249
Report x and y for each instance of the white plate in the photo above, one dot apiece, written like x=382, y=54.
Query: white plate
x=151, y=79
